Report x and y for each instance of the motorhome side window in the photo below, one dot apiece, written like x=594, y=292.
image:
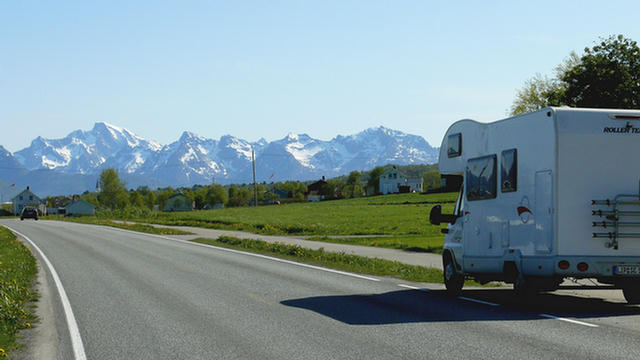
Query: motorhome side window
x=454, y=145
x=481, y=179
x=509, y=170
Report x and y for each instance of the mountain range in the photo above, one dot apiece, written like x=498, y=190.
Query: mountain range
x=72, y=164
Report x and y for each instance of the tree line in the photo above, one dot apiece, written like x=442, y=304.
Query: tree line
x=112, y=193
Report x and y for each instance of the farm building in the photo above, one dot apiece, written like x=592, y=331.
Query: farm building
x=314, y=190
x=393, y=181
x=28, y=198
x=178, y=202
x=80, y=207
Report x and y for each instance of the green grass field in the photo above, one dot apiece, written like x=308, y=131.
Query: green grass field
x=403, y=218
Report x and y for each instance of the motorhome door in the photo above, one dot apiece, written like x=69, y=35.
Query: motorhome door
x=544, y=212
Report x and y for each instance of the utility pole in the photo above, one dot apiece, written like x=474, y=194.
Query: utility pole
x=255, y=185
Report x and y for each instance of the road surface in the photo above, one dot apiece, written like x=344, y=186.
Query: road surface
x=141, y=296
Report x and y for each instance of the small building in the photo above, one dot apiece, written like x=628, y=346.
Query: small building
x=28, y=198
x=314, y=190
x=415, y=184
x=281, y=193
x=80, y=207
x=178, y=202
x=393, y=181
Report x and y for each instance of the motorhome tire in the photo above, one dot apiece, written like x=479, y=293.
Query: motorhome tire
x=524, y=286
x=453, y=281
x=632, y=294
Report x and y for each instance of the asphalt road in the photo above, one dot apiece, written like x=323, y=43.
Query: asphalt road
x=139, y=296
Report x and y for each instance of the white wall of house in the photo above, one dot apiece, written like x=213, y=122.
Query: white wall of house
x=28, y=198
x=415, y=183
x=390, y=180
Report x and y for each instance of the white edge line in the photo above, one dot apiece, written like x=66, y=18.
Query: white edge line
x=478, y=301
x=413, y=287
x=250, y=254
x=74, y=332
x=568, y=320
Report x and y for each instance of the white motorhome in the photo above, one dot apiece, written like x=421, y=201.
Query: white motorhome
x=544, y=196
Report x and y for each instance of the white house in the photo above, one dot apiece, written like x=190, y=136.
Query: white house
x=28, y=198
x=393, y=181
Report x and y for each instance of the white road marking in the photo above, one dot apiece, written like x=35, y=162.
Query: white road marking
x=307, y=266
x=74, y=332
x=413, y=287
x=568, y=320
x=478, y=301
x=252, y=254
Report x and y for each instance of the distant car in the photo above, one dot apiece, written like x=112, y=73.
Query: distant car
x=29, y=213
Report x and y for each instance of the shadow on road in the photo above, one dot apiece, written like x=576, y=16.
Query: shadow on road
x=413, y=306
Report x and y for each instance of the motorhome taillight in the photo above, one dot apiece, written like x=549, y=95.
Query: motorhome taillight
x=583, y=266
x=563, y=264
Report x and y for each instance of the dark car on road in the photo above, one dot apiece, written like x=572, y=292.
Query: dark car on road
x=29, y=213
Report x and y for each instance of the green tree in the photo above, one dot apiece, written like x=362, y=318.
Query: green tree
x=113, y=193
x=239, y=196
x=542, y=91
x=150, y=199
x=353, y=187
x=136, y=199
x=607, y=76
x=535, y=94
x=333, y=188
x=431, y=179
x=374, y=179
x=163, y=197
x=91, y=198
x=216, y=194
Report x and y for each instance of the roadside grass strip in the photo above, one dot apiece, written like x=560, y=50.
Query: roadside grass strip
x=144, y=228
x=17, y=273
x=339, y=261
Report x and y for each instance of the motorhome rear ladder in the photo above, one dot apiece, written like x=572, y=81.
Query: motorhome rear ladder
x=621, y=217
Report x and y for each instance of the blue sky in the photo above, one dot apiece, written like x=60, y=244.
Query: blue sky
x=257, y=69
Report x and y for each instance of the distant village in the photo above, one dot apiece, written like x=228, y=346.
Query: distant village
x=390, y=179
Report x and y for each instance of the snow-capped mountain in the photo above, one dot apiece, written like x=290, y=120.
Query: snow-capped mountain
x=84, y=152
x=193, y=159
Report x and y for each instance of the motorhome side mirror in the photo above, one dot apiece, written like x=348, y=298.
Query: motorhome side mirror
x=435, y=217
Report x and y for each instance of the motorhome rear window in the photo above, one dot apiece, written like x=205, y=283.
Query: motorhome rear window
x=481, y=178
x=454, y=145
x=509, y=170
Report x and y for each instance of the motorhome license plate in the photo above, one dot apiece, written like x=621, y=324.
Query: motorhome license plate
x=626, y=270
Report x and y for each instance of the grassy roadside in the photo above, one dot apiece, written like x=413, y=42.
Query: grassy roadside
x=145, y=228
x=416, y=243
x=17, y=272
x=339, y=261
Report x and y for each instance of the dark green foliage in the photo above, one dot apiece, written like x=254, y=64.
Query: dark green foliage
x=431, y=180
x=374, y=179
x=607, y=76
